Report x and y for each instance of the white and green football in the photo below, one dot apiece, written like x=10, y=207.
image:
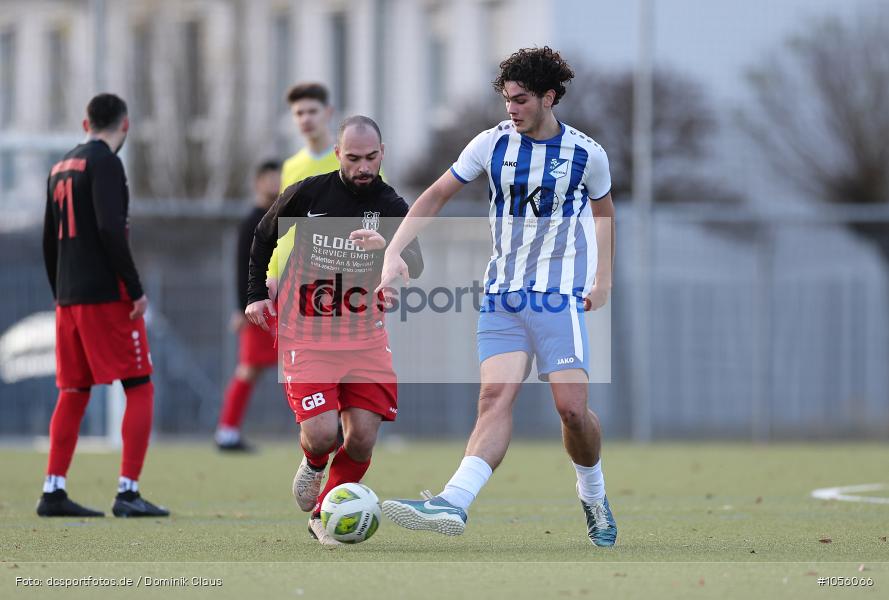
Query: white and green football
x=351, y=513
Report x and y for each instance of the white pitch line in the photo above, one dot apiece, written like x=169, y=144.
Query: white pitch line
x=845, y=493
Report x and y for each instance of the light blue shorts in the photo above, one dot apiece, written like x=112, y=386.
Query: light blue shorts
x=545, y=325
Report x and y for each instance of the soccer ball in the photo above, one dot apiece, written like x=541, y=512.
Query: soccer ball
x=351, y=513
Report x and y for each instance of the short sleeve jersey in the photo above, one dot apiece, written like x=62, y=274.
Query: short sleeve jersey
x=541, y=220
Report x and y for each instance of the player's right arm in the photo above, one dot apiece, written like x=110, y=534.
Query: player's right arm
x=471, y=163
x=50, y=249
x=265, y=237
x=429, y=204
x=281, y=253
x=242, y=264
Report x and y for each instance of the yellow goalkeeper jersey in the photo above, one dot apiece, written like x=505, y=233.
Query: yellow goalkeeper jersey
x=305, y=164
x=296, y=168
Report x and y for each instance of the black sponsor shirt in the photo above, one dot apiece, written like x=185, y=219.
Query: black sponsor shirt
x=85, y=229
x=323, y=265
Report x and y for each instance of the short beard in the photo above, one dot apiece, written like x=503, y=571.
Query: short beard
x=358, y=190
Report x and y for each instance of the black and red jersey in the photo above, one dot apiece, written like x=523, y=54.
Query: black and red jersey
x=325, y=292
x=85, y=247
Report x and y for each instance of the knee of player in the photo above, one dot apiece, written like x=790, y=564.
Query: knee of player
x=318, y=442
x=573, y=414
x=494, y=397
x=359, y=444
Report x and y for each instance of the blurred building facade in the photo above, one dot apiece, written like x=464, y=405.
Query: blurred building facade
x=762, y=326
x=206, y=79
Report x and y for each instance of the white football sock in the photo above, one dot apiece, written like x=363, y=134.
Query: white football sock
x=467, y=482
x=228, y=435
x=53, y=483
x=125, y=484
x=590, y=482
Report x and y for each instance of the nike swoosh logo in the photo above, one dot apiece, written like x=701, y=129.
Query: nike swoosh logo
x=445, y=509
x=311, y=214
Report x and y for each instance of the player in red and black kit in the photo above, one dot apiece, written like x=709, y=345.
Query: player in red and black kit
x=100, y=331
x=335, y=361
x=256, y=346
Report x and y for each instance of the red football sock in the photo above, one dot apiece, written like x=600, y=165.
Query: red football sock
x=237, y=396
x=63, y=429
x=136, y=429
x=316, y=461
x=343, y=469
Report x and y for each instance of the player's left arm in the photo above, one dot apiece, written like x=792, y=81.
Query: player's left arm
x=597, y=181
x=603, y=214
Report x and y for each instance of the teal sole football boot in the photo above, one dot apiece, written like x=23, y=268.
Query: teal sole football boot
x=432, y=513
x=600, y=524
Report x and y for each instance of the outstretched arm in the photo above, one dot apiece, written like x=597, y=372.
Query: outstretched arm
x=428, y=204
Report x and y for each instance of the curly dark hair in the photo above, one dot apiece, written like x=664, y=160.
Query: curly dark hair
x=538, y=70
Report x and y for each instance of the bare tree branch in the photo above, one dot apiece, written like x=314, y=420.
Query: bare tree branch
x=821, y=112
x=601, y=105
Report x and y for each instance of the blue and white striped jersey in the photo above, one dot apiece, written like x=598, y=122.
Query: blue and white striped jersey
x=541, y=221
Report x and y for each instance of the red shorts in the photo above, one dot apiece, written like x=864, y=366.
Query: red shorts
x=354, y=379
x=98, y=343
x=257, y=346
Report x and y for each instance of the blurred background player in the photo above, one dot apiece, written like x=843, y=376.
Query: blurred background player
x=311, y=110
x=335, y=366
x=256, y=346
x=100, y=329
x=549, y=180
x=310, y=106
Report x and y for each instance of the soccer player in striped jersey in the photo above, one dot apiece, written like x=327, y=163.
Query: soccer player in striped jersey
x=551, y=220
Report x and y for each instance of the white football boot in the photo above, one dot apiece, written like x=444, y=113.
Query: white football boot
x=307, y=486
x=317, y=531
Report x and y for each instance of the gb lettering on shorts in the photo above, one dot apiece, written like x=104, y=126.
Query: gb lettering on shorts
x=313, y=401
